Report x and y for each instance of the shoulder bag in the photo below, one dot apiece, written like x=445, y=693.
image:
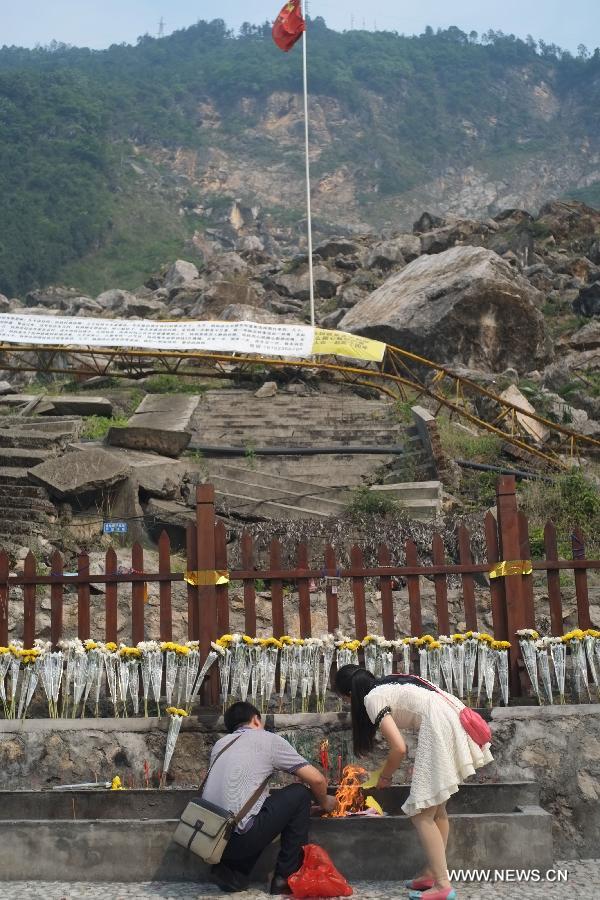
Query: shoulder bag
x=205, y=828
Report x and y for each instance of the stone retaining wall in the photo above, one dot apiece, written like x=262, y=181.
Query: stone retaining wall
x=559, y=747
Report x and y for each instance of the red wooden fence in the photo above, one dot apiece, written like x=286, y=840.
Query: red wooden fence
x=511, y=596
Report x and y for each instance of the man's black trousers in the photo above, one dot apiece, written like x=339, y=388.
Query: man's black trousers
x=285, y=812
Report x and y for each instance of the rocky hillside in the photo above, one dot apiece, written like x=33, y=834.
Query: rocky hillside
x=510, y=292
x=113, y=161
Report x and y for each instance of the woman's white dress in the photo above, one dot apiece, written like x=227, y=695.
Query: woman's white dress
x=445, y=754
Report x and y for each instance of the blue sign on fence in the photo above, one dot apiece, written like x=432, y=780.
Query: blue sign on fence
x=114, y=527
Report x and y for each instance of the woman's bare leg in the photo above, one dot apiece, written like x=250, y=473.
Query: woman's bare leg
x=433, y=845
x=442, y=822
x=440, y=817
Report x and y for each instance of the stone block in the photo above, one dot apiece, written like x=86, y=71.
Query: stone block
x=79, y=472
x=161, y=424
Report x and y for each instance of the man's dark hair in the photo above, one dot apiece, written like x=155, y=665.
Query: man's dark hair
x=240, y=713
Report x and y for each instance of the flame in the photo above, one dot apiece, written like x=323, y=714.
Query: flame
x=349, y=794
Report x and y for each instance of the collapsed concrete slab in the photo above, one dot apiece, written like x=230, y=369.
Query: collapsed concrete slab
x=79, y=472
x=156, y=476
x=161, y=424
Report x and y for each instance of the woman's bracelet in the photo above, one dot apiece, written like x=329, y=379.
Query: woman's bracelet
x=385, y=777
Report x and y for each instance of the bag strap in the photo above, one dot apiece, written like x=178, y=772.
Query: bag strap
x=212, y=765
x=249, y=803
x=437, y=691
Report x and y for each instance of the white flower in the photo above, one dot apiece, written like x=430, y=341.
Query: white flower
x=193, y=645
x=220, y=650
x=43, y=646
x=149, y=646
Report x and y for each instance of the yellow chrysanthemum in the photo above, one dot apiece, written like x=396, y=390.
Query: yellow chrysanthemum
x=174, y=711
x=433, y=645
x=111, y=647
x=426, y=638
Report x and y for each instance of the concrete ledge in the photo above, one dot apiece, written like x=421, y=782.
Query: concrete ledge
x=384, y=849
x=502, y=713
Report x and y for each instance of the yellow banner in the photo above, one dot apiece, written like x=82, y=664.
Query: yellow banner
x=341, y=343
x=511, y=567
x=206, y=576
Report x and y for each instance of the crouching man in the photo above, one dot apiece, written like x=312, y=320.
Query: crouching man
x=286, y=813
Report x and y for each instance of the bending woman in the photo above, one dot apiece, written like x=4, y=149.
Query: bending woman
x=445, y=755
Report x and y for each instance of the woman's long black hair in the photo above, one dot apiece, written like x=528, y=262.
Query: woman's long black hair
x=356, y=682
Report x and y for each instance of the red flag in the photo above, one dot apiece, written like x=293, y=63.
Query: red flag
x=288, y=26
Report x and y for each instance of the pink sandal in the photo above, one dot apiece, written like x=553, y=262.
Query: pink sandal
x=443, y=894
x=420, y=884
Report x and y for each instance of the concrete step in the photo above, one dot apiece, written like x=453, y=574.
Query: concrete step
x=309, y=495
x=25, y=505
x=22, y=458
x=12, y=514
x=13, y=476
x=36, y=423
x=508, y=830
x=34, y=440
x=22, y=491
x=412, y=490
x=249, y=507
x=257, y=475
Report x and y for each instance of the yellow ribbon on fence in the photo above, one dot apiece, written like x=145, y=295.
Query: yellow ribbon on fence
x=511, y=567
x=203, y=577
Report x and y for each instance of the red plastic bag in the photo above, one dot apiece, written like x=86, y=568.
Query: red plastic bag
x=318, y=877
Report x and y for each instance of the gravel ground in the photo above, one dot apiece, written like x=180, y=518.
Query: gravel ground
x=582, y=884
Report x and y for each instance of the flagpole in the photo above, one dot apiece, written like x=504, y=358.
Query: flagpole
x=308, y=209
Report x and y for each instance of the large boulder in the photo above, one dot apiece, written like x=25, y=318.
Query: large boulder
x=181, y=272
x=465, y=306
x=587, y=302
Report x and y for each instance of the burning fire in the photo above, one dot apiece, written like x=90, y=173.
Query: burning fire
x=350, y=794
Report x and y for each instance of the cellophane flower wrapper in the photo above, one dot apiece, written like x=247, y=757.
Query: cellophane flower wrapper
x=238, y=652
x=284, y=668
x=110, y=663
x=387, y=662
x=529, y=654
x=580, y=670
x=224, y=675
x=172, y=735
x=146, y=682
x=482, y=653
x=4, y=664
x=295, y=674
x=94, y=673
x=14, y=671
x=490, y=675
x=208, y=662
x=423, y=663
x=80, y=670
x=434, y=665
x=28, y=686
x=98, y=684
x=191, y=673
x=589, y=643
x=458, y=668
x=558, y=653
x=470, y=646
x=134, y=684
x=328, y=654
x=155, y=663
x=446, y=665
x=371, y=657
x=543, y=664
x=170, y=674
x=502, y=662
x=123, y=672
